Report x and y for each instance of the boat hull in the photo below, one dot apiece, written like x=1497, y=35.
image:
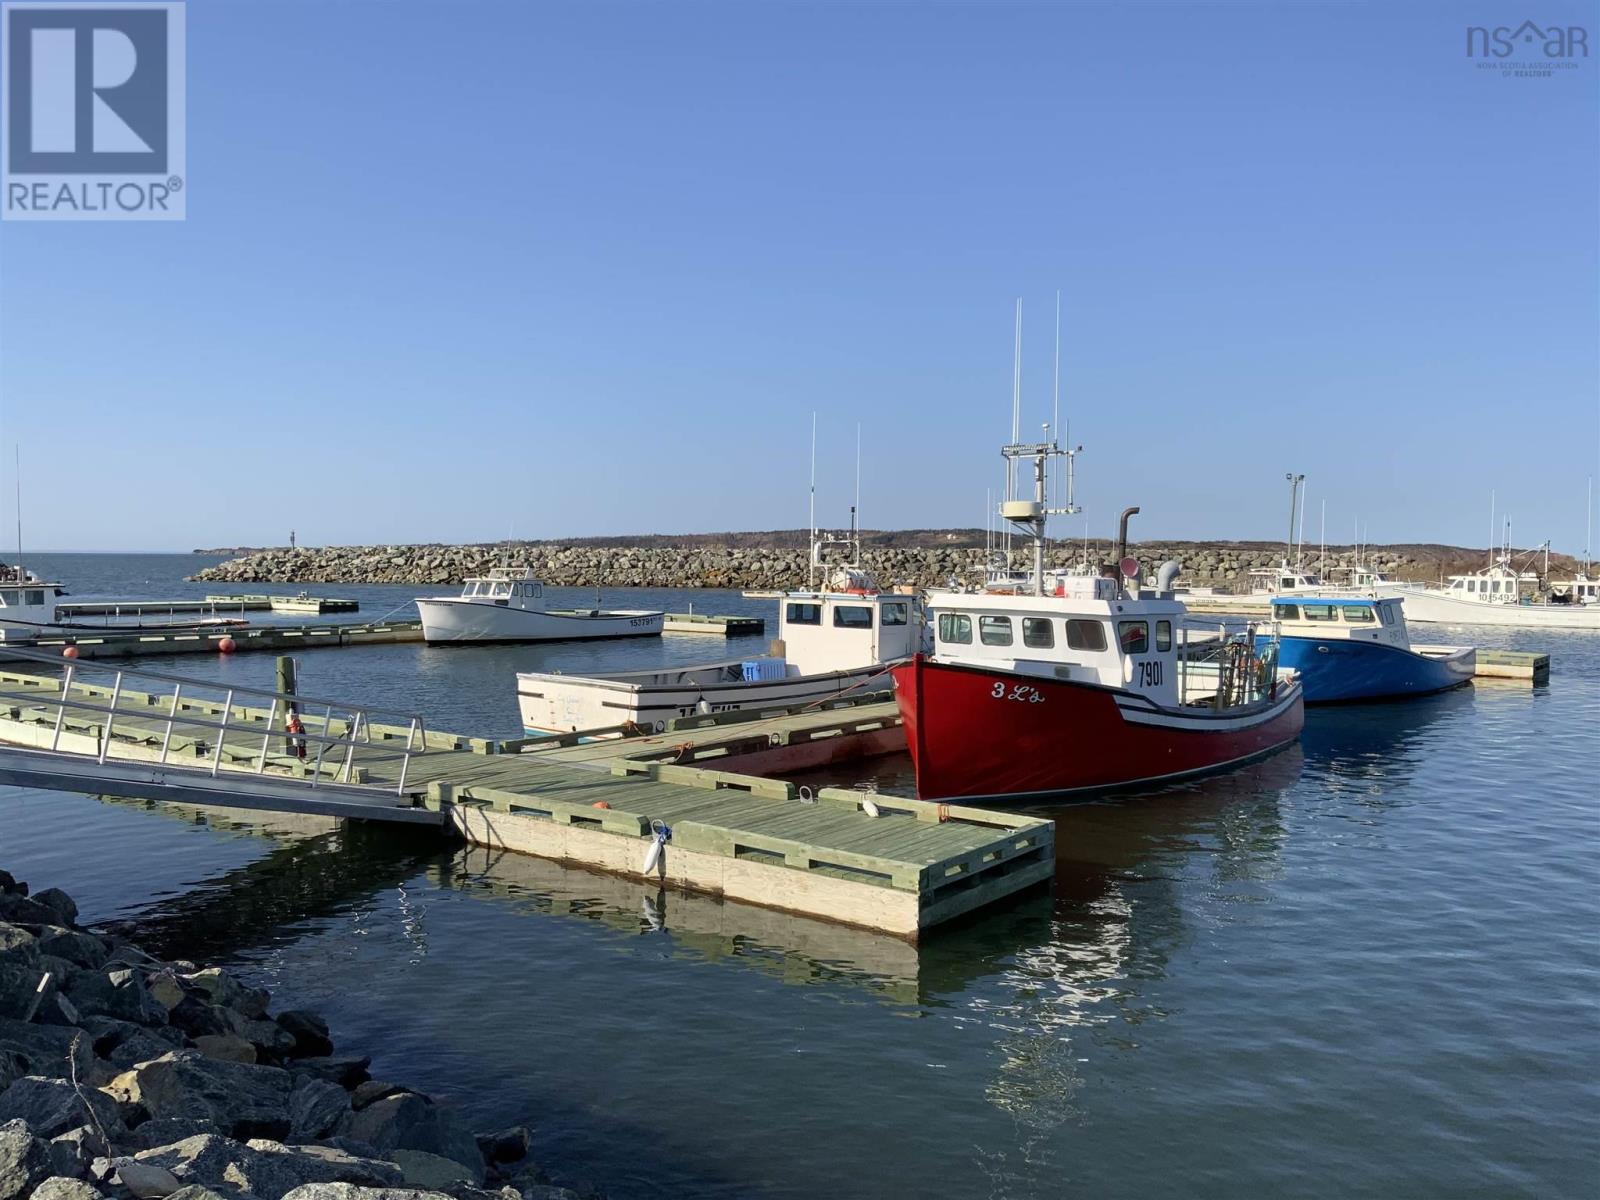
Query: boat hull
x=971, y=737
x=450, y=620
x=1427, y=604
x=564, y=703
x=1335, y=670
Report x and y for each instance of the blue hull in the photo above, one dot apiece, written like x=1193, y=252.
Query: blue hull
x=1333, y=670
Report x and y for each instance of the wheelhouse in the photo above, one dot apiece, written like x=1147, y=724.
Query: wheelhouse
x=1092, y=633
x=826, y=631
x=505, y=587
x=1349, y=618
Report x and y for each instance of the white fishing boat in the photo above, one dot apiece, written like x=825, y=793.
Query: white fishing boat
x=28, y=612
x=833, y=639
x=1498, y=595
x=508, y=605
x=27, y=605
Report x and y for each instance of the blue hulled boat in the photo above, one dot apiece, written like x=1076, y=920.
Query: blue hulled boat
x=1357, y=648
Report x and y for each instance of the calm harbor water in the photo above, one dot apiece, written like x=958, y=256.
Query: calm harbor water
x=1367, y=966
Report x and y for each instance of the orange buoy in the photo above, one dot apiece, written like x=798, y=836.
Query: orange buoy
x=227, y=646
x=69, y=652
x=600, y=804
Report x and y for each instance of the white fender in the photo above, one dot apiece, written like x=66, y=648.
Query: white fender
x=868, y=807
x=652, y=856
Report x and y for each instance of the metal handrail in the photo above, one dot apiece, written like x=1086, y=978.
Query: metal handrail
x=55, y=660
x=358, y=732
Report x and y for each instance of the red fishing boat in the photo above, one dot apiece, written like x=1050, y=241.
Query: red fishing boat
x=1090, y=682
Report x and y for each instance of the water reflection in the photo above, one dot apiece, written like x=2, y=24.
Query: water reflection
x=305, y=879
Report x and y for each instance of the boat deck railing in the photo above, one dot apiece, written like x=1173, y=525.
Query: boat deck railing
x=150, y=717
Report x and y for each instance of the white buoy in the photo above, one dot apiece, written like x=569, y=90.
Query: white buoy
x=652, y=855
x=868, y=807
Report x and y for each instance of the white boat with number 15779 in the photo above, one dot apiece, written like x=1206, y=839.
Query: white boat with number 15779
x=508, y=605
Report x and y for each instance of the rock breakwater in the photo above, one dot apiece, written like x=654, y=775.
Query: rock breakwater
x=126, y=1078
x=1211, y=564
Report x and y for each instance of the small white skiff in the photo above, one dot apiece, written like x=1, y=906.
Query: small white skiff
x=508, y=605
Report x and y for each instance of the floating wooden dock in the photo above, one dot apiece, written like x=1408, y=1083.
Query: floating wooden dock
x=910, y=867
x=290, y=639
x=714, y=626
x=282, y=639
x=211, y=606
x=1520, y=666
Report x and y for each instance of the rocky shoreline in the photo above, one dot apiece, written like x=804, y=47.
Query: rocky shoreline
x=126, y=1078
x=1225, y=564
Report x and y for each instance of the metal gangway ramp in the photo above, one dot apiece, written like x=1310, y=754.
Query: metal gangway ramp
x=116, y=731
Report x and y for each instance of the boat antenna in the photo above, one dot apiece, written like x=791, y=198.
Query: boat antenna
x=1294, y=502
x=1055, y=414
x=1322, y=552
x=1016, y=401
x=1588, y=525
x=855, y=537
x=1300, y=548
x=21, y=574
x=811, y=572
x=1491, y=528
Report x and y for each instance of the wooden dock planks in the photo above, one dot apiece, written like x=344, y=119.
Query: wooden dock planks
x=754, y=839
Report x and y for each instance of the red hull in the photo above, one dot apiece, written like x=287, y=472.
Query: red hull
x=1064, y=736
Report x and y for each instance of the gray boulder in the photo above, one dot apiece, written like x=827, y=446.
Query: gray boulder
x=316, y=1109
x=20, y=995
x=21, y=911
x=60, y=1188
x=347, y=1070
x=43, y=1049
x=412, y=1122
x=24, y=1161
x=265, y=1168
x=17, y=945
x=164, y=1131
x=61, y=904
x=77, y=947
x=119, y=993
x=308, y=1033
x=507, y=1145
x=241, y=1099
x=228, y=992
x=147, y=1181
x=53, y=1106
x=423, y=1170
x=73, y=1152
x=199, y=1191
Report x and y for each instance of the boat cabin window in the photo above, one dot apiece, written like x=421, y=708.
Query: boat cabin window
x=1134, y=636
x=994, y=631
x=852, y=616
x=7, y=599
x=1287, y=583
x=1320, y=612
x=894, y=614
x=1472, y=585
x=35, y=597
x=955, y=628
x=1163, y=635
x=804, y=614
x=1286, y=612
x=1038, y=633
x=1359, y=615
x=1085, y=635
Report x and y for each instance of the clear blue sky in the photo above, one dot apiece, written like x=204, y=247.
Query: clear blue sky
x=453, y=269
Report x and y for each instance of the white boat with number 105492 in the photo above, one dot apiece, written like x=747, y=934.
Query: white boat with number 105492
x=508, y=605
